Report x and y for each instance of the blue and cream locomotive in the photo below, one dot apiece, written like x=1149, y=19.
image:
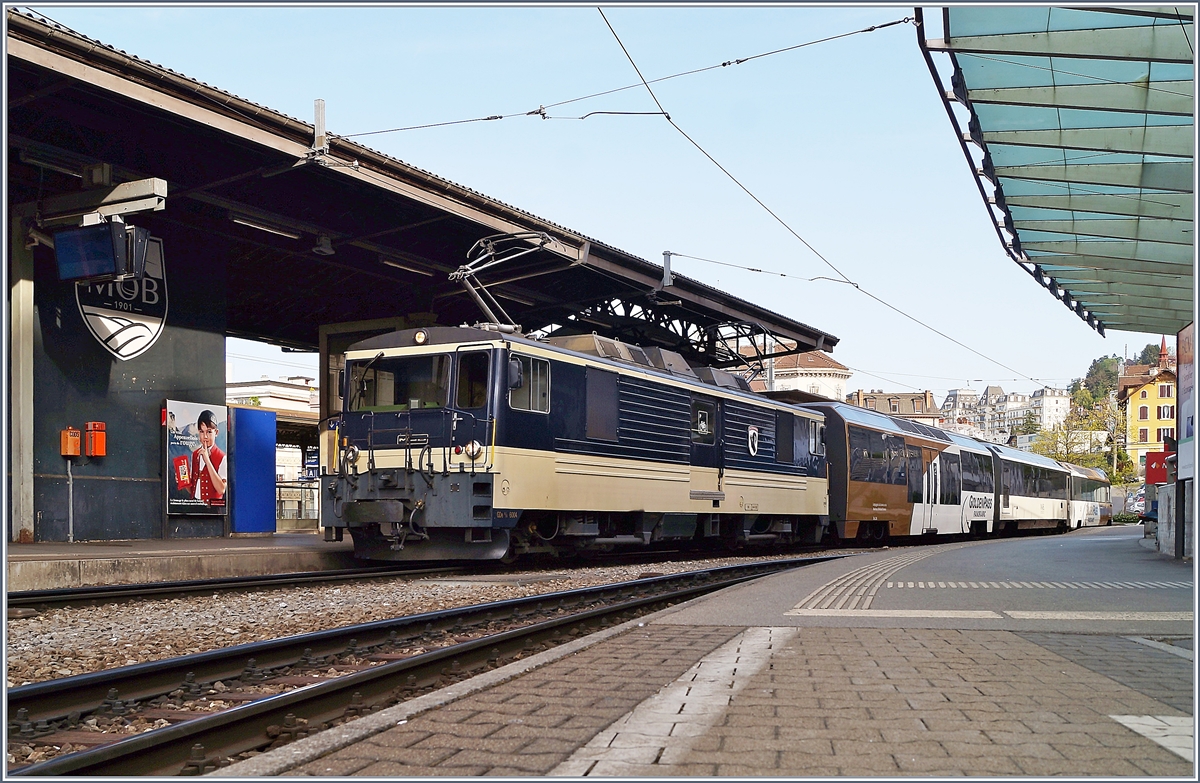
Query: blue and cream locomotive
x=483, y=444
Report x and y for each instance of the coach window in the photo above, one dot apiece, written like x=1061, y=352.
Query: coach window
x=951, y=480
x=785, y=441
x=816, y=438
x=860, y=454
x=915, y=474
x=602, y=404
x=534, y=392
x=977, y=473
x=897, y=458
x=704, y=421
x=1058, y=484
x=473, y=379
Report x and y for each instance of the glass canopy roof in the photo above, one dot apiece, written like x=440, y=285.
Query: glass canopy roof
x=1078, y=125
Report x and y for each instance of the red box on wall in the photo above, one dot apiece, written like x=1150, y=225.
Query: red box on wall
x=95, y=440
x=1156, y=467
x=180, y=466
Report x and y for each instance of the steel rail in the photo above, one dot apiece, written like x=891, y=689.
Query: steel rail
x=56, y=699
x=85, y=595
x=172, y=749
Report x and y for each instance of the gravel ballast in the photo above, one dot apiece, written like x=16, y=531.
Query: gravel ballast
x=76, y=640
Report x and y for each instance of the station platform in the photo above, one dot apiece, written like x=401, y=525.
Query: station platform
x=54, y=565
x=1024, y=679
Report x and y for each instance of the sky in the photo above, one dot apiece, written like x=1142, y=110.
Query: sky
x=846, y=141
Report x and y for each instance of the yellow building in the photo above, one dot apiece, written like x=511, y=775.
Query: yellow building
x=1149, y=403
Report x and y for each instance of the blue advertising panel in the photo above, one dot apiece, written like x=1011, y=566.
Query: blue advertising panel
x=252, y=480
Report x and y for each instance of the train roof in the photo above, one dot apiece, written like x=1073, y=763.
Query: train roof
x=963, y=441
x=1080, y=471
x=1026, y=457
x=604, y=350
x=880, y=421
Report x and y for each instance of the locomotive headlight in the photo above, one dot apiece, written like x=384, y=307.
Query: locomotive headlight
x=474, y=449
x=421, y=337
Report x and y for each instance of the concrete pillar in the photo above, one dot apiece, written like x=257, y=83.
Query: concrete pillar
x=20, y=377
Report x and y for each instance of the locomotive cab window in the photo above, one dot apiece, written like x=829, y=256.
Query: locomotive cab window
x=534, y=392
x=473, y=379
x=400, y=383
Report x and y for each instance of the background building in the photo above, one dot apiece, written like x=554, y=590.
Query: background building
x=919, y=406
x=814, y=372
x=1147, y=394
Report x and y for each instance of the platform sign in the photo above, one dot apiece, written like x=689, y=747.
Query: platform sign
x=197, y=465
x=1185, y=349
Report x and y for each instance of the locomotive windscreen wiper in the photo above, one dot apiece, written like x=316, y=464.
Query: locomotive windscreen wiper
x=360, y=388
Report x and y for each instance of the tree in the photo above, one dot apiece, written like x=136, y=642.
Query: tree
x=1101, y=376
x=1087, y=437
x=1027, y=427
x=1082, y=399
x=1148, y=355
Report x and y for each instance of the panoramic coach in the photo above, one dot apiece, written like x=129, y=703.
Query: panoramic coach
x=894, y=477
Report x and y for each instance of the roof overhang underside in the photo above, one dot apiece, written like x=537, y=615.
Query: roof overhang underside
x=254, y=186
x=1078, y=126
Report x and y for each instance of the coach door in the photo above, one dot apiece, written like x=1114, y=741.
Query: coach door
x=920, y=480
x=708, y=459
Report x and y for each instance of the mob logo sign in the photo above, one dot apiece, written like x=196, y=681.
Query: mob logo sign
x=127, y=316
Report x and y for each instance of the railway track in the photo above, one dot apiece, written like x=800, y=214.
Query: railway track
x=86, y=596
x=451, y=645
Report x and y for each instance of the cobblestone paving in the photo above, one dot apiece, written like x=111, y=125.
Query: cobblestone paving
x=1155, y=673
x=886, y=702
x=832, y=702
x=529, y=725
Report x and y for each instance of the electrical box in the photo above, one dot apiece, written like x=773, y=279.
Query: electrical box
x=69, y=442
x=95, y=440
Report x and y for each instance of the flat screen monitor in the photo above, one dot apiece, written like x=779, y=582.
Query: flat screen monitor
x=91, y=252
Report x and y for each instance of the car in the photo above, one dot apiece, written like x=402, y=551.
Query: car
x=1137, y=500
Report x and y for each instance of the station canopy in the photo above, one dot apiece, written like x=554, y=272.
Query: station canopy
x=318, y=229
x=1079, y=130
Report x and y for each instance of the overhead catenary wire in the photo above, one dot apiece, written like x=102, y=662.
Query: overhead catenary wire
x=540, y=111
x=787, y=227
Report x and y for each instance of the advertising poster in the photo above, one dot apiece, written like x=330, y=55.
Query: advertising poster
x=197, y=458
x=1185, y=348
